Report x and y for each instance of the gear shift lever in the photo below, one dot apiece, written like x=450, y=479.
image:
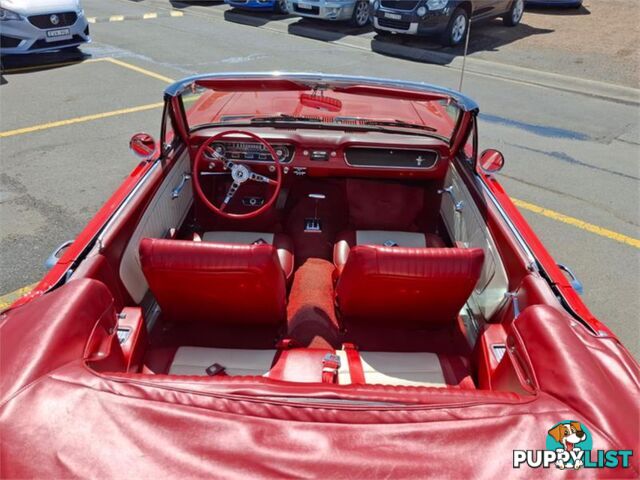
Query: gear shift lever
x=314, y=225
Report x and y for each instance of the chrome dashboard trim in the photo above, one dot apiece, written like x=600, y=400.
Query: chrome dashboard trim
x=464, y=102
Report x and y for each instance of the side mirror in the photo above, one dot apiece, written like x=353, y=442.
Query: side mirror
x=491, y=161
x=143, y=145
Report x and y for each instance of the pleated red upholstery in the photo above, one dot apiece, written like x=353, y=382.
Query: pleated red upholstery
x=215, y=283
x=393, y=285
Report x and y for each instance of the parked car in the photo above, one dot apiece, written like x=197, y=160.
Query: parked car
x=30, y=26
x=357, y=12
x=311, y=276
x=446, y=19
x=278, y=6
x=554, y=3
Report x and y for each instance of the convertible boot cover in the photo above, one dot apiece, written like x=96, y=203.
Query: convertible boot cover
x=59, y=418
x=75, y=424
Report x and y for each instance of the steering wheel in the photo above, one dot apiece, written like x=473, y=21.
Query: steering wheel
x=240, y=173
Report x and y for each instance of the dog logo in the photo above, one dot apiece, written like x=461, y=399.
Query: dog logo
x=569, y=435
x=569, y=446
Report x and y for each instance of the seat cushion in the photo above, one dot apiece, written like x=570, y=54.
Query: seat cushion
x=408, y=369
x=196, y=360
x=302, y=365
x=281, y=242
x=215, y=283
x=424, y=287
x=345, y=241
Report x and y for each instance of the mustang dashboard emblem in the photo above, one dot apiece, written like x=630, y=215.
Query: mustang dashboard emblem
x=55, y=20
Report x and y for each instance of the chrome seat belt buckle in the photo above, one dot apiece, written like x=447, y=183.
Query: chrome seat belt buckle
x=331, y=363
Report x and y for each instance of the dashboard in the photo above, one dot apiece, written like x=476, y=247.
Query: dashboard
x=334, y=152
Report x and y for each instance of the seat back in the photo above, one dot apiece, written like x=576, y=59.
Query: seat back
x=215, y=283
x=418, y=286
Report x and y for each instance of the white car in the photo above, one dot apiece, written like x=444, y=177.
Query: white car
x=29, y=26
x=357, y=12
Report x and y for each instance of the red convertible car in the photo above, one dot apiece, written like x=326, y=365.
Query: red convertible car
x=312, y=276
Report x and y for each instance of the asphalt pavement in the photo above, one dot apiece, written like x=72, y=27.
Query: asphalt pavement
x=572, y=148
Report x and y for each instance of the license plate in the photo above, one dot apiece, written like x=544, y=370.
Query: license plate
x=392, y=16
x=58, y=34
x=304, y=6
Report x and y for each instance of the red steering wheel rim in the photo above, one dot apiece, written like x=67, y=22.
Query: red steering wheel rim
x=200, y=158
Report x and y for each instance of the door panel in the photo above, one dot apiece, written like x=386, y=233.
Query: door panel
x=164, y=212
x=468, y=229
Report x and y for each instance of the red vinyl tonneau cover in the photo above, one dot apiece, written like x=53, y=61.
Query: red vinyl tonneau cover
x=61, y=419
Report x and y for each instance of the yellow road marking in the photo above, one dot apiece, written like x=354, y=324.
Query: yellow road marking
x=135, y=68
x=91, y=19
x=86, y=118
x=141, y=70
x=176, y=13
x=9, y=298
x=52, y=65
x=147, y=16
x=575, y=222
x=116, y=18
x=97, y=116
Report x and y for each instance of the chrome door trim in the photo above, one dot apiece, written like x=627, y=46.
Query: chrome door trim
x=132, y=194
x=532, y=263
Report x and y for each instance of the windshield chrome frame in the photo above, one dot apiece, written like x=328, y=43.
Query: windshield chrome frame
x=462, y=101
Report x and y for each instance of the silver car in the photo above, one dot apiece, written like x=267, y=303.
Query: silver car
x=29, y=26
x=357, y=12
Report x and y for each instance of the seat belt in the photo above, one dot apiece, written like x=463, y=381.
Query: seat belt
x=330, y=367
x=216, y=370
x=355, y=364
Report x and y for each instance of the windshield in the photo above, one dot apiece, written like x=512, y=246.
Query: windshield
x=350, y=108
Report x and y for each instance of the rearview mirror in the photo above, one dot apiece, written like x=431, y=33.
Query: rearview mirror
x=320, y=102
x=491, y=161
x=143, y=145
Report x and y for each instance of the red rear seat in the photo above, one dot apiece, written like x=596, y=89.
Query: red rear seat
x=425, y=287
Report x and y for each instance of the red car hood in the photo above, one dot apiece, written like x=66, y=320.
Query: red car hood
x=270, y=103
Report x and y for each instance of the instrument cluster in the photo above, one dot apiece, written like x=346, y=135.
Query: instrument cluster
x=252, y=151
